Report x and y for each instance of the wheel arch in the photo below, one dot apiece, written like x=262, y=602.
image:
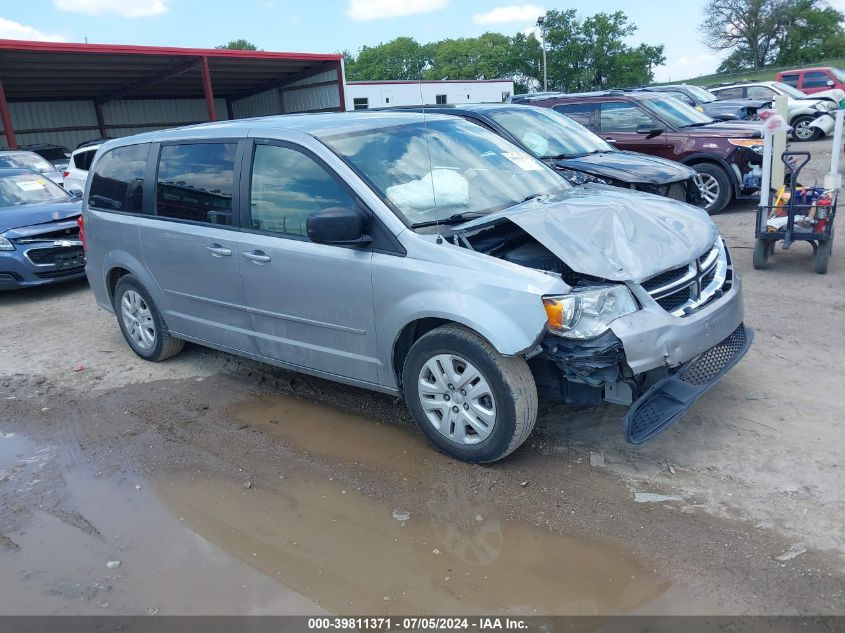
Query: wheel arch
x=712, y=159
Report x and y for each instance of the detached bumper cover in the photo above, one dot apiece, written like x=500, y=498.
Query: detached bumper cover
x=671, y=396
x=825, y=123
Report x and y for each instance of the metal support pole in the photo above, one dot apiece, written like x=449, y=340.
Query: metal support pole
x=341, y=80
x=545, y=65
x=209, y=93
x=98, y=110
x=6, y=117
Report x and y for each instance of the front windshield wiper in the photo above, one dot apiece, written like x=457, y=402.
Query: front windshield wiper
x=452, y=219
x=561, y=156
x=698, y=124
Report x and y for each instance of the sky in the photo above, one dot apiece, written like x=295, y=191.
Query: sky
x=328, y=26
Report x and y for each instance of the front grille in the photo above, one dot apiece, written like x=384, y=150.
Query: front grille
x=683, y=291
x=706, y=367
x=60, y=234
x=44, y=256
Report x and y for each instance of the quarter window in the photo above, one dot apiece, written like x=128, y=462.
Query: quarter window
x=622, y=117
x=287, y=187
x=118, y=180
x=82, y=160
x=196, y=182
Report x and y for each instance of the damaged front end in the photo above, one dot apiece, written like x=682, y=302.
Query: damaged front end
x=656, y=325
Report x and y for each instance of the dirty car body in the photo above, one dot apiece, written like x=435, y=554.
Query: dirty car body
x=39, y=236
x=444, y=255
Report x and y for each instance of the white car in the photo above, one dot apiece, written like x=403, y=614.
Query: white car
x=76, y=172
x=809, y=115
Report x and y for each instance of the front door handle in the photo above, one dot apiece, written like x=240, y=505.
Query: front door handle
x=259, y=257
x=610, y=140
x=217, y=250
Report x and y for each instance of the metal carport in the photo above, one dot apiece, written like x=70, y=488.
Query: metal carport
x=66, y=93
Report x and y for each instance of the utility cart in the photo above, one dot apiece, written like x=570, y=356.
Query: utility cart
x=798, y=214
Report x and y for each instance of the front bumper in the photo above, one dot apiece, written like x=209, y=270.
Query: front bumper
x=17, y=270
x=670, y=397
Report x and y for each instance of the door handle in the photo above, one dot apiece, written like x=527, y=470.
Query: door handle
x=218, y=251
x=610, y=140
x=259, y=257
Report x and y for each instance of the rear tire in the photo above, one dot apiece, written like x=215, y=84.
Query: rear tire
x=801, y=130
x=470, y=401
x=141, y=323
x=823, y=251
x=714, y=187
x=762, y=248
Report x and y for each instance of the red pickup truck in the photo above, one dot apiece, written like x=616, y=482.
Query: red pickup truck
x=812, y=80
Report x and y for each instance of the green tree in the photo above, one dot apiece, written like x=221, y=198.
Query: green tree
x=763, y=32
x=239, y=45
x=400, y=59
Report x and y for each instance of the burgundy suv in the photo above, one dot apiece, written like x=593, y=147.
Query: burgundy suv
x=727, y=156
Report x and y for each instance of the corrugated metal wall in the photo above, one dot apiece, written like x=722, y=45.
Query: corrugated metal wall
x=70, y=123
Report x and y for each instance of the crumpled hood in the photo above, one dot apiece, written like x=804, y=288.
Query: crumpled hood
x=630, y=167
x=38, y=213
x=612, y=233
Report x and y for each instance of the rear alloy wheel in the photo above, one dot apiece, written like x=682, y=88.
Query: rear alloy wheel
x=141, y=323
x=802, y=130
x=714, y=187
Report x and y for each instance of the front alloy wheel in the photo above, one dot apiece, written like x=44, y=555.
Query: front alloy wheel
x=138, y=320
x=708, y=187
x=457, y=399
x=802, y=129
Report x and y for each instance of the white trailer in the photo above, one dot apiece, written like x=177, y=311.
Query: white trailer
x=362, y=95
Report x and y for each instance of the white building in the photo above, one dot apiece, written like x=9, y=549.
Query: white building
x=361, y=95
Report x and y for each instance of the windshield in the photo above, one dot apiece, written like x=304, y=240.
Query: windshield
x=429, y=171
x=838, y=73
x=702, y=95
x=548, y=134
x=18, y=189
x=27, y=161
x=677, y=113
x=789, y=90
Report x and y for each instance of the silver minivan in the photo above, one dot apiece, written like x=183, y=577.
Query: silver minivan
x=413, y=254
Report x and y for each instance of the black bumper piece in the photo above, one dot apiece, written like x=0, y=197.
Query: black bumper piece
x=670, y=397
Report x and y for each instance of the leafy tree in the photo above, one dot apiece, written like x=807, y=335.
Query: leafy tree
x=239, y=45
x=400, y=59
x=763, y=32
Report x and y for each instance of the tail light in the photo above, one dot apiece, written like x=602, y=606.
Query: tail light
x=65, y=174
x=80, y=222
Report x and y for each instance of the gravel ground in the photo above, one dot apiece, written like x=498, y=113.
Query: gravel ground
x=225, y=486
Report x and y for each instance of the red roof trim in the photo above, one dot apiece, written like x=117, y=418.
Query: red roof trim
x=430, y=81
x=170, y=51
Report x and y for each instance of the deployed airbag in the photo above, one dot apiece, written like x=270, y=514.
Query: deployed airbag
x=438, y=188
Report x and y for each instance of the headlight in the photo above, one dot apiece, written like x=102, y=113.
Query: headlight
x=587, y=312
x=6, y=245
x=754, y=144
x=580, y=178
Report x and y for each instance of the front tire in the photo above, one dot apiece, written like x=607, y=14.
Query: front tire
x=714, y=187
x=470, y=401
x=823, y=251
x=801, y=130
x=141, y=323
x=762, y=248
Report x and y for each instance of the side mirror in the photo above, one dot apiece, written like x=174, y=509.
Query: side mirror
x=650, y=130
x=830, y=83
x=340, y=226
x=76, y=192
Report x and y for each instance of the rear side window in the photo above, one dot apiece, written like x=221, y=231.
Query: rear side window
x=816, y=79
x=82, y=160
x=287, y=187
x=760, y=92
x=584, y=113
x=118, y=181
x=791, y=79
x=196, y=182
